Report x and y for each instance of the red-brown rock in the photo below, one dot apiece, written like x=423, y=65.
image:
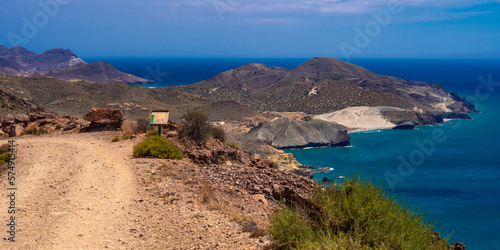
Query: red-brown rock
x=16, y=129
x=104, y=119
x=7, y=120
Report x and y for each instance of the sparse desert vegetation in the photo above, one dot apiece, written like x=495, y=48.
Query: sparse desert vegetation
x=356, y=215
x=4, y=157
x=158, y=147
x=194, y=127
x=233, y=145
x=34, y=130
x=124, y=136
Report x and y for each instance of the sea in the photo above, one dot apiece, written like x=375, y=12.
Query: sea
x=449, y=171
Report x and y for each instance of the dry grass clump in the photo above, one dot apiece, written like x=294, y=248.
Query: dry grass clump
x=125, y=136
x=4, y=157
x=34, y=130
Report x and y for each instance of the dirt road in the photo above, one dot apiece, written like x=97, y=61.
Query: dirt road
x=81, y=191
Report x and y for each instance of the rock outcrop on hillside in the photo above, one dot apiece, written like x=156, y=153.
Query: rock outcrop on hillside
x=39, y=122
x=286, y=133
x=104, y=119
x=405, y=126
x=226, y=166
x=285, y=161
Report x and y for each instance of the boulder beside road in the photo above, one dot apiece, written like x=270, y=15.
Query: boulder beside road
x=104, y=119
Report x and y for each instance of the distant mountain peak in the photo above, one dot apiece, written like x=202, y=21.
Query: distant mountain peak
x=326, y=67
x=20, y=50
x=53, y=62
x=97, y=71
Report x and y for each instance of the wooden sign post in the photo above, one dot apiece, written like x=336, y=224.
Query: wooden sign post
x=159, y=118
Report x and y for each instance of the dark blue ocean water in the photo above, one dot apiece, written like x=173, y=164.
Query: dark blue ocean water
x=455, y=179
x=451, y=171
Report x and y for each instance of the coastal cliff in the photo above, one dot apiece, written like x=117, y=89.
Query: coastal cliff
x=286, y=133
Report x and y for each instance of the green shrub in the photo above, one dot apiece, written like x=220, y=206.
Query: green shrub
x=194, y=127
x=356, y=215
x=290, y=229
x=152, y=132
x=4, y=158
x=233, y=145
x=116, y=138
x=218, y=133
x=158, y=147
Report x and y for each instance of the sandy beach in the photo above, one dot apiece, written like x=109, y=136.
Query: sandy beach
x=358, y=119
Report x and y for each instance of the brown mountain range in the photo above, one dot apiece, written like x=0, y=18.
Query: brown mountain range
x=98, y=71
x=322, y=85
x=60, y=64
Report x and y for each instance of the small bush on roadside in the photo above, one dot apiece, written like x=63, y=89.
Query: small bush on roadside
x=4, y=158
x=357, y=215
x=159, y=147
x=116, y=138
x=233, y=145
x=218, y=133
x=194, y=127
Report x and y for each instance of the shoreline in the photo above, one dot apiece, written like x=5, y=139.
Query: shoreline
x=358, y=130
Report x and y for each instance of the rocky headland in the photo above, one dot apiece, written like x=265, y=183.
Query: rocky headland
x=286, y=133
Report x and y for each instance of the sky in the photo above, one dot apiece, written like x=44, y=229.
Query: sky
x=255, y=28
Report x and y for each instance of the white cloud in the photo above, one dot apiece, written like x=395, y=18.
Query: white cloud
x=287, y=11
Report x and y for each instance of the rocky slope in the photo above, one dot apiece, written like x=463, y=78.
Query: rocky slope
x=11, y=104
x=77, y=98
x=60, y=64
x=286, y=133
x=323, y=85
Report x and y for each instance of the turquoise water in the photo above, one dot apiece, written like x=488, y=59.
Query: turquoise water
x=457, y=183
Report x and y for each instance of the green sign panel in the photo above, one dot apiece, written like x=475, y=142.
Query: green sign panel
x=159, y=117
